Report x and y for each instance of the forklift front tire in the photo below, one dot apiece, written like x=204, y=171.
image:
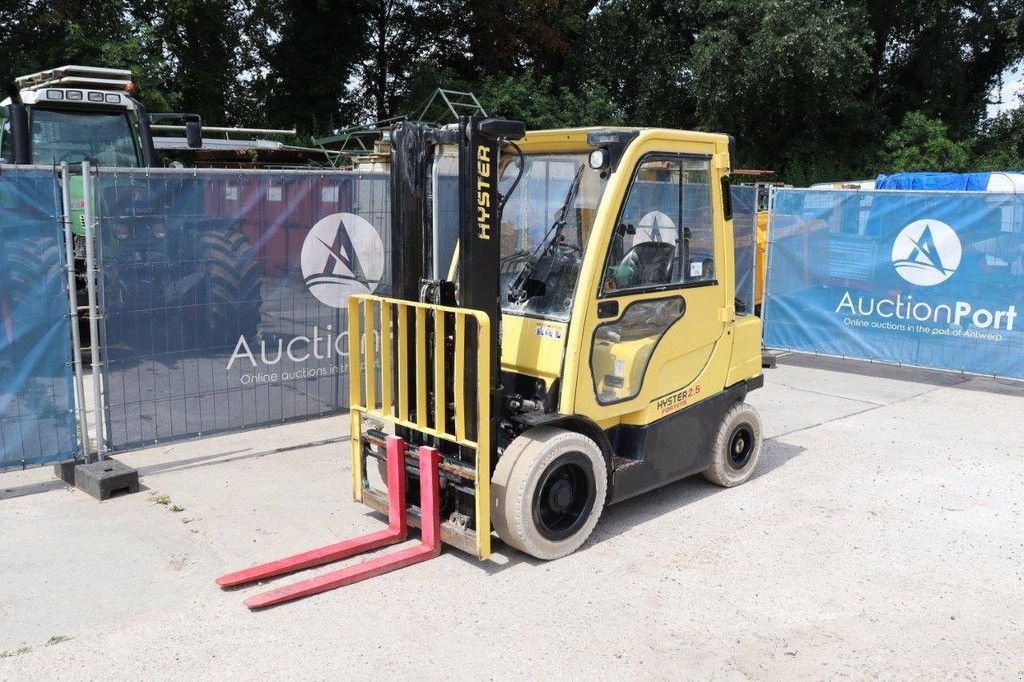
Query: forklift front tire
x=737, y=446
x=548, y=491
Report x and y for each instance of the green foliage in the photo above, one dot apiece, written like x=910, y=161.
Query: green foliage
x=543, y=105
x=940, y=57
x=309, y=66
x=1000, y=144
x=785, y=77
x=639, y=52
x=813, y=90
x=923, y=144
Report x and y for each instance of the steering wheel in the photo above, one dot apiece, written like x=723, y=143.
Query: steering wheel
x=647, y=263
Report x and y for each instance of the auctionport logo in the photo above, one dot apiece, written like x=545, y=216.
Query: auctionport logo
x=926, y=252
x=342, y=255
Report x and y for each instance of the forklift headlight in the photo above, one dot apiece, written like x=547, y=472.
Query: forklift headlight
x=159, y=230
x=599, y=159
x=122, y=231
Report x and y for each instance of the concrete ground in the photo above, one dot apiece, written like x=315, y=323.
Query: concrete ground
x=883, y=536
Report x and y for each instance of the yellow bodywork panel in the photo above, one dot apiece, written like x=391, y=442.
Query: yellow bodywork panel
x=760, y=256
x=533, y=347
x=746, y=349
x=613, y=375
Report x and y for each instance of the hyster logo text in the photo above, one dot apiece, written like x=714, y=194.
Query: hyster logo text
x=483, y=191
x=926, y=252
x=343, y=254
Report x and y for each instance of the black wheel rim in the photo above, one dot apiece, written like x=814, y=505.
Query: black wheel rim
x=564, y=497
x=741, y=446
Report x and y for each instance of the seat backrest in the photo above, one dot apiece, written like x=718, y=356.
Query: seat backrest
x=652, y=262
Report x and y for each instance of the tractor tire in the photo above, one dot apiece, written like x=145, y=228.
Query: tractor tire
x=737, y=446
x=548, y=491
x=233, y=279
x=31, y=265
x=28, y=300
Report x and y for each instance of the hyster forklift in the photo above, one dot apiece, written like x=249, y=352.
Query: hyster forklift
x=581, y=346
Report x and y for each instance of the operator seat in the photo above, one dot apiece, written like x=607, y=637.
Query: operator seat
x=649, y=264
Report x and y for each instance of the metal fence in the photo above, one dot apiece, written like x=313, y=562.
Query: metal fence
x=212, y=300
x=37, y=406
x=930, y=279
x=744, y=233
x=223, y=295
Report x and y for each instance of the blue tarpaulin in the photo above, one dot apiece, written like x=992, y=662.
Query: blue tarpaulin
x=919, y=278
x=950, y=182
x=37, y=421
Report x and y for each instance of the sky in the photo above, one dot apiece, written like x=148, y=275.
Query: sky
x=1012, y=92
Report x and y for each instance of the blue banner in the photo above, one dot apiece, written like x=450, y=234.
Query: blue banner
x=931, y=279
x=224, y=295
x=37, y=420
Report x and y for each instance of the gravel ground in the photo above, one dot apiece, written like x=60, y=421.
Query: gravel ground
x=882, y=537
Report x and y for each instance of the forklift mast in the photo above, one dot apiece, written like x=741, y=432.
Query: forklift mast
x=479, y=142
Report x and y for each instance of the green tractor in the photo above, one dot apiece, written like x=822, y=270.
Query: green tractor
x=75, y=114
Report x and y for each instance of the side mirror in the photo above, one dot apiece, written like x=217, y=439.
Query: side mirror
x=19, y=132
x=194, y=134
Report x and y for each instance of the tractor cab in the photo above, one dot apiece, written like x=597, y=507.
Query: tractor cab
x=81, y=113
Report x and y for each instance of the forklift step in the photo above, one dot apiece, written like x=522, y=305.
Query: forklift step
x=429, y=547
x=396, y=531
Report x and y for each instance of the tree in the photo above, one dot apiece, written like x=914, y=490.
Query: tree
x=785, y=77
x=508, y=36
x=307, y=73
x=940, y=57
x=923, y=144
x=200, y=41
x=395, y=42
x=1000, y=143
x=49, y=33
x=541, y=104
x=639, y=51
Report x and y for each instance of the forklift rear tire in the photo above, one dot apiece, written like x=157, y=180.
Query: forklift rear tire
x=548, y=491
x=737, y=446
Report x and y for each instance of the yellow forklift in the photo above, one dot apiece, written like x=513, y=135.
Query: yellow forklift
x=579, y=345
